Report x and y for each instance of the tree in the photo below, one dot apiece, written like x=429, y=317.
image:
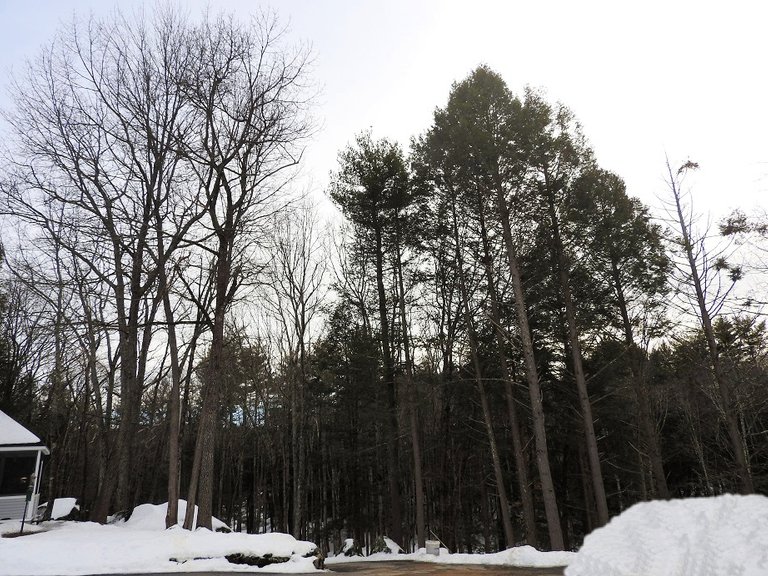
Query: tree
x=97, y=120
x=701, y=274
x=474, y=142
x=371, y=184
x=626, y=253
x=558, y=154
x=246, y=93
x=473, y=346
x=296, y=275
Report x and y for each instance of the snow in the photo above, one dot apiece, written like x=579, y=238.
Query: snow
x=349, y=543
x=526, y=556
x=13, y=527
x=61, y=507
x=692, y=537
x=11, y=432
x=521, y=556
x=141, y=545
x=152, y=517
x=392, y=546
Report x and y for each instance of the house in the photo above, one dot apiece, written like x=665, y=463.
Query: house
x=21, y=455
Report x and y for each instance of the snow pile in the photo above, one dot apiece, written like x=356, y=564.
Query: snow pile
x=61, y=507
x=340, y=558
x=350, y=548
x=152, y=517
x=521, y=556
x=692, y=537
x=526, y=556
x=141, y=545
x=391, y=546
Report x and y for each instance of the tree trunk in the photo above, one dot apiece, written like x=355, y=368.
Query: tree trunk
x=174, y=409
x=532, y=376
x=395, y=514
x=412, y=408
x=205, y=445
x=497, y=470
x=521, y=462
x=593, y=454
x=297, y=443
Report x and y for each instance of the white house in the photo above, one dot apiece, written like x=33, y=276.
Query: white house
x=20, y=469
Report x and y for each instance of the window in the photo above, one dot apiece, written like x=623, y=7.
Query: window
x=15, y=472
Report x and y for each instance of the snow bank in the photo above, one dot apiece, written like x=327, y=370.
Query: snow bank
x=524, y=556
x=692, y=537
x=141, y=545
x=340, y=558
x=521, y=556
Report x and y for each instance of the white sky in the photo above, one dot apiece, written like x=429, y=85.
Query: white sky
x=645, y=79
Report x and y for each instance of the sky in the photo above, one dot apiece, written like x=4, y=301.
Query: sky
x=647, y=80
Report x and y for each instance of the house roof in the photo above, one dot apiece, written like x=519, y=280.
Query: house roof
x=13, y=433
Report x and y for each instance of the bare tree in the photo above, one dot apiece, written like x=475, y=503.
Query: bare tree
x=96, y=123
x=295, y=293
x=249, y=102
x=703, y=274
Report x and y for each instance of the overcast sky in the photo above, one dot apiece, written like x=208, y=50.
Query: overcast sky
x=646, y=79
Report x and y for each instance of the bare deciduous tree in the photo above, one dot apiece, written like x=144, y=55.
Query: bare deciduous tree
x=249, y=102
x=296, y=291
x=703, y=274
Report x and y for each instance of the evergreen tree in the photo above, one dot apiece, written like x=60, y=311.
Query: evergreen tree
x=371, y=187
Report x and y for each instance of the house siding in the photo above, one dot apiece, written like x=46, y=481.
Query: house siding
x=12, y=507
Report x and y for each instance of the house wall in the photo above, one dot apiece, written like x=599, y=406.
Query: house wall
x=12, y=507
x=17, y=469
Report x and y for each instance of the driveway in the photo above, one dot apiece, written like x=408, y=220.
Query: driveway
x=394, y=568
x=409, y=568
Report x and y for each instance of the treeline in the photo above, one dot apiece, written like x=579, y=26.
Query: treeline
x=500, y=345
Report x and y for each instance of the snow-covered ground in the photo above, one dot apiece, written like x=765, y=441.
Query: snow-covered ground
x=13, y=527
x=725, y=535
x=142, y=545
x=523, y=556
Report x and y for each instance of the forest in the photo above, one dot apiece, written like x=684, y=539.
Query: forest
x=495, y=343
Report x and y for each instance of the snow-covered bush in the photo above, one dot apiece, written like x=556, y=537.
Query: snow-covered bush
x=386, y=545
x=352, y=548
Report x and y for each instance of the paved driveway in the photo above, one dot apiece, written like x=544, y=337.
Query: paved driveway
x=408, y=568
x=396, y=568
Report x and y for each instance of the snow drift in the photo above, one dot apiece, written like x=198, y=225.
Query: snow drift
x=690, y=537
